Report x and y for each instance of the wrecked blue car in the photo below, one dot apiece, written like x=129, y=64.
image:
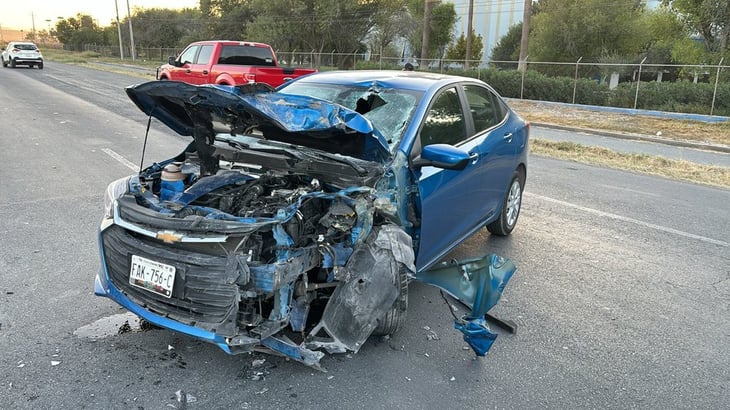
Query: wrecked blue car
x=295, y=218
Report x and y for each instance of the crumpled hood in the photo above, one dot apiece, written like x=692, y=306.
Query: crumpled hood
x=282, y=117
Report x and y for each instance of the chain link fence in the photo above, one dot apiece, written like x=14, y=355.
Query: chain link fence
x=609, y=74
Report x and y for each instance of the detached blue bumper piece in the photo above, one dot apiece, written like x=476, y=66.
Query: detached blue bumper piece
x=478, y=283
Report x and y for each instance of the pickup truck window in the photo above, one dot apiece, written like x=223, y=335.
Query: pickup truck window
x=204, y=55
x=188, y=56
x=246, y=55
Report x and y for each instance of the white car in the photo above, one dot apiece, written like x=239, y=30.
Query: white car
x=22, y=53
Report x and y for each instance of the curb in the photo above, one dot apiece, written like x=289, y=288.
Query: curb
x=638, y=137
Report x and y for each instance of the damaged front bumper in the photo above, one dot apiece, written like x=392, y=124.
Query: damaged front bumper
x=350, y=317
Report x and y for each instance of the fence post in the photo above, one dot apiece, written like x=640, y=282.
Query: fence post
x=575, y=80
x=714, y=93
x=522, y=85
x=638, y=83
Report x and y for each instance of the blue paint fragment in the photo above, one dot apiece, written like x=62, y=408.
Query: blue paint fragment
x=476, y=334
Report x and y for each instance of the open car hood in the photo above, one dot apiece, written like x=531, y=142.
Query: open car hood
x=211, y=109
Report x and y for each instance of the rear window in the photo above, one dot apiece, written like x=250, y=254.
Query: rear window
x=246, y=55
x=25, y=46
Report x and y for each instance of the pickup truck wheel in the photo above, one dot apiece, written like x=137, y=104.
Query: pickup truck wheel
x=395, y=318
x=507, y=220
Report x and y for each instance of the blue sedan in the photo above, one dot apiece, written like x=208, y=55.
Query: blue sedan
x=295, y=218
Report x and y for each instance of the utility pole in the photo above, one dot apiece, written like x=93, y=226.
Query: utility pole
x=524, y=42
x=469, y=40
x=426, y=30
x=119, y=32
x=32, y=17
x=131, y=33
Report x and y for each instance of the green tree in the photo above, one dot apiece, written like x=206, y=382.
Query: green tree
x=443, y=19
x=565, y=30
x=508, y=46
x=391, y=21
x=322, y=26
x=227, y=19
x=457, y=50
x=74, y=32
x=281, y=23
x=157, y=27
x=709, y=18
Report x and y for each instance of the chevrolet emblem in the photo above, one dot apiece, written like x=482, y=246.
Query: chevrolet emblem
x=169, y=236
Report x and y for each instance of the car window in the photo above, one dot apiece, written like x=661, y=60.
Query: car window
x=389, y=109
x=25, y=46
x=444, y=123
x=484, y=107
x=188, y=56
x=246, y=55
x=205, y=53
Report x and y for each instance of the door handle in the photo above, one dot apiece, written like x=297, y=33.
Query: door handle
x=508, y=137
x=473, y=157
x=205, y=72
x=187, y=71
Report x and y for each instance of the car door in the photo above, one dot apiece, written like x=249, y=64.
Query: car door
x=199, y=70
x=182, y=70
x=454, y=204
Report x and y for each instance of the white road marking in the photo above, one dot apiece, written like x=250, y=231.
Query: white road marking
x=121, y=159
x=630, y=220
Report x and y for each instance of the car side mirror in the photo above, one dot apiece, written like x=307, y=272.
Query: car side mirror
x=442, y=156
x=171, y=61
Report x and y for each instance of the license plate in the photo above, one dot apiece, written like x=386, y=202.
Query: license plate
x=153, y=276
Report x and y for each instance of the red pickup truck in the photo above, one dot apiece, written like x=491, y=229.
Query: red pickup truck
x=229, y=63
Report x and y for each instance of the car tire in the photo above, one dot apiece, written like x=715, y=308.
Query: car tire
x=511, y=205
x=12, y=63
x=40, y=65
x=395, y=318
x=4, y=63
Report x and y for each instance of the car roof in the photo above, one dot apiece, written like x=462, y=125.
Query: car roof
x=410, y=80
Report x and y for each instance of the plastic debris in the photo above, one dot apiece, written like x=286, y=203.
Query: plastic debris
x=258, y=362
x=55, y=362
x=452, y=379
x=430, y=334
x=183, y=397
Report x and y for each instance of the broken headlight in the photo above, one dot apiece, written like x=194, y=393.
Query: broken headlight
x=114, y=191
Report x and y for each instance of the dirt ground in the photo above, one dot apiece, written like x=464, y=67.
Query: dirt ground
x=697, y=131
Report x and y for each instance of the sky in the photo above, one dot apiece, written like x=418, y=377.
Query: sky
x=18, y=14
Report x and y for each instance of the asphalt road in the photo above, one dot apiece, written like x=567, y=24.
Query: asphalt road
x=622, y=297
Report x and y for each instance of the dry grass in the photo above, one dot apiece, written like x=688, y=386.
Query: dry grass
x=697, y=131
x=655, y=165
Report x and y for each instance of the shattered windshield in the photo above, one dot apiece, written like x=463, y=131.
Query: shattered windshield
x=388, y=109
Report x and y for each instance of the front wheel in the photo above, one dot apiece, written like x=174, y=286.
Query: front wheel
x=395, y=318
x=12, y=63
x=5, y=64
x=510, y=208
